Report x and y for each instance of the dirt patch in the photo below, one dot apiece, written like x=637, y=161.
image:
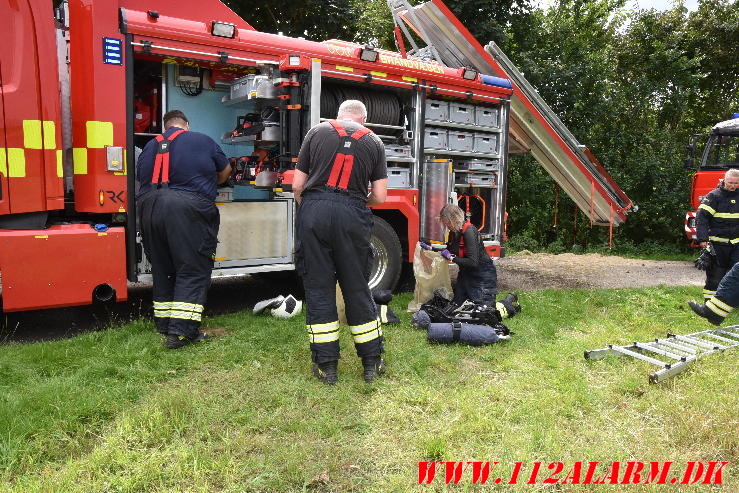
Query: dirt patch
x=526, y=271
x=215, y=331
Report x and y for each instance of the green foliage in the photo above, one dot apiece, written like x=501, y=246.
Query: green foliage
x=632, y=86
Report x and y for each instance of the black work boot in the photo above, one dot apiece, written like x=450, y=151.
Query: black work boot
x=374, y=366
x=175, y=341
x=705, y=312
x=326, y=372
x=512, y=298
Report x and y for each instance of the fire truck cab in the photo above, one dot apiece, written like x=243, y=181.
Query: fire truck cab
x=720, y=152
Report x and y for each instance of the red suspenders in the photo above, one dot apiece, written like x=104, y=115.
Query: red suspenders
x=161, y=162
x=462, y=249
x=344, y=161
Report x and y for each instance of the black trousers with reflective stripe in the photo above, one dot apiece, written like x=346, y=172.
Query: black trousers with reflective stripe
x=727, y=255
x=479, y=285
x=180, y=233
x=333, y=243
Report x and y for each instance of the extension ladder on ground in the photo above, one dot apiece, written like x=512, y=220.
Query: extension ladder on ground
x=680, y=350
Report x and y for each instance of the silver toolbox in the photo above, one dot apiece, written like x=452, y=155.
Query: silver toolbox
x=461, y=113
x=437, y=110
x=435, y=138
x=486, y=143
x=479, y=165
x=487, y=180
x=487, y=117
x=461, y=141
x=392, y=151
x=240, y=88
x=435, y=188
x=398, y=177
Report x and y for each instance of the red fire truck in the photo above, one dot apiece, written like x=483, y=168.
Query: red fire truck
x=84, y=88
x=720, y=151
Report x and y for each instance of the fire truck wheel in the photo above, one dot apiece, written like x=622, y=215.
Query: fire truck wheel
x=386, y=256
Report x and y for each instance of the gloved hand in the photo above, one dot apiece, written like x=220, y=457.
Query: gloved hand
x=425, y=246
x=704, y=260
x=447, y=254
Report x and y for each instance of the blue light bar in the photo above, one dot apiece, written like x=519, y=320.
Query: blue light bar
x=496, y=81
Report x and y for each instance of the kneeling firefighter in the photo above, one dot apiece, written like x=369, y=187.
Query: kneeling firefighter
x=477, y=280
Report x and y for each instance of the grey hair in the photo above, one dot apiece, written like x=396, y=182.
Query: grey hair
x=454, y=214
x=733, y=172
x=352, y=107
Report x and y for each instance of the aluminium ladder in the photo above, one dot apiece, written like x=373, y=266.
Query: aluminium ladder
x=679, y=350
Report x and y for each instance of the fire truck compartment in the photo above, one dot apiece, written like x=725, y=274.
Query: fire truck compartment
x=84, y=260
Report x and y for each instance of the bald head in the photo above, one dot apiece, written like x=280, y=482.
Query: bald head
x=353, y=110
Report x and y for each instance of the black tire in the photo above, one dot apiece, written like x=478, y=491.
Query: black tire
x=387, y=256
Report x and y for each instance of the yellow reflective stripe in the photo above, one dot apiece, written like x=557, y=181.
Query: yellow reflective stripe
x=49, y=135
x=715, y=309
x=16, y=163
x=59, y=164
x=368, y=325
x=32, y=137
x=502, y=309
x=721, y=304
x=99, y=134
x=3, y=162
x=707, y=208
x=181, y=305
x=184, y=315
x=369, y=336
x=719, y=239
x=329, y=337
x=735, y=240
x=727, y=215
x=318, y=328
x=79, y=154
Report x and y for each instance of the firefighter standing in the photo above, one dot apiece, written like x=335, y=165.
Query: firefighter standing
x=477, y=280
x=178, y=172
x=717, y=222
x=336, y=162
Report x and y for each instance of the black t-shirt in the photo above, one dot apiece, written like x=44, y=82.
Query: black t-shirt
x=319, y=149
x=194, y=159
x=475, y=254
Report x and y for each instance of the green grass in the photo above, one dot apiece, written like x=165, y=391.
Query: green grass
x=114, y=411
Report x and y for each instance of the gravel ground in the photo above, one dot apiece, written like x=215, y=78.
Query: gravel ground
x=526, y=271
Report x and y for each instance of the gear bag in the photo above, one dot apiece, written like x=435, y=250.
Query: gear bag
x=464, y=333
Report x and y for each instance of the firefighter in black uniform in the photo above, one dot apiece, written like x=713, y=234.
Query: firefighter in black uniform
x=477, y=280
x=178, y=172
x=336, y=162
x=717, y=222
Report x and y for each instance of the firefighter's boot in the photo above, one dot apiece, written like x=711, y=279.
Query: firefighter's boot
x=374, y=366
x=705, y=312
x=326, y=372
x=175, y=341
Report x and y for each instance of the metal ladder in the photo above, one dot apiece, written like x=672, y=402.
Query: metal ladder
x=680, y=350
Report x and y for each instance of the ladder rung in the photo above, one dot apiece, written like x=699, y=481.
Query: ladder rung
x=699, y=342
x=679, y=347
x=650, y=347
x=729, y=333
x=640, y=356
x=724, y=339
